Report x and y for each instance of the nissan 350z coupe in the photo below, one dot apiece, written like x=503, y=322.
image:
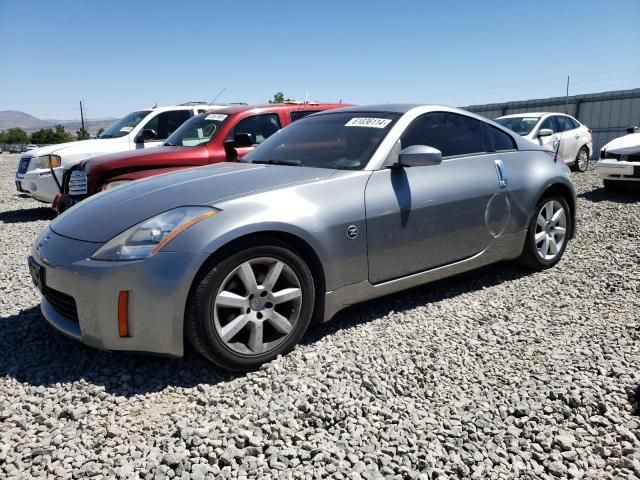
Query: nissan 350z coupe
x=338, y=208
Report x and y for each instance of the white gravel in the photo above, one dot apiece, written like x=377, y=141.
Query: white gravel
x=499, y=373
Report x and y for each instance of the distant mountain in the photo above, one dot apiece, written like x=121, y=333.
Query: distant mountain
x=29, y=123
x=14, y=118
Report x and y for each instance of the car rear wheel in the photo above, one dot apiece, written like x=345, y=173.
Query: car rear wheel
x=251, y=307
x=582, y=160
x=548, y=234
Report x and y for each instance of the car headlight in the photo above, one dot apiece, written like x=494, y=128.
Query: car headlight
x=117, y=183
x=46, y=161
x=148, y=237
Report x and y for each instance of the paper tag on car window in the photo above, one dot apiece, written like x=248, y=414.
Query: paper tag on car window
x=218, y=117
x=126, y=129
x=368, y=122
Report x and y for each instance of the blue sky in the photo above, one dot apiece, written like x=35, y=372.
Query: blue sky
x=122, y=55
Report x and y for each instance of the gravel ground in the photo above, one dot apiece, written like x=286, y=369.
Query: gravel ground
x=500, y=373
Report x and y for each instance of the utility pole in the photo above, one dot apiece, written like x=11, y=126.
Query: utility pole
x=82, y=116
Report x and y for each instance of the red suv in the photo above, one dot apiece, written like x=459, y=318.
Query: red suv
x=199, y=141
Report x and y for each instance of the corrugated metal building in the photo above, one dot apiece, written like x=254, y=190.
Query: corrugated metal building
x=608, y=114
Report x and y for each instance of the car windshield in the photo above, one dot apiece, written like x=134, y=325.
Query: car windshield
x=343, y=141
x=123, y=126
x=521, y=125
x=197, y=130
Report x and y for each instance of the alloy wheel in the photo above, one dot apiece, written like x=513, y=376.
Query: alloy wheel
x=583, y=160
x=551, y=230
x=257, y=305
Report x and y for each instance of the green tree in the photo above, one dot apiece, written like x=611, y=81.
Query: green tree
x=61, y=135
x=17, y=135
x=43, y=136
x=3, y=136
x=82, y=134
x=279, y=98
x=100, y=132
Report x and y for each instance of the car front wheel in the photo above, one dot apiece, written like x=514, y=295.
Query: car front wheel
x=251, y=306
x=548, y=234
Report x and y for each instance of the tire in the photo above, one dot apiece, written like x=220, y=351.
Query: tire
x=581, y=163
x=532, y=255
x=239, y=327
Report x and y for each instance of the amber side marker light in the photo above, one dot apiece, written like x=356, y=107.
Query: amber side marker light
x=123, y=313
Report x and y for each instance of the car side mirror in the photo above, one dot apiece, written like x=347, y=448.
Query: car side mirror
x=419, y=156
x=146, y=135
x=545, y=132
x=242, y=140
x=632, y=129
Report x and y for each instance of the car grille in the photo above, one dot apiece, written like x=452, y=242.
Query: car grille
x=62, y=303
x=23, y=166
x=78, y=183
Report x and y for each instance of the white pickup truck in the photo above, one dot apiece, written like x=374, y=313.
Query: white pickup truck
x=141, y=129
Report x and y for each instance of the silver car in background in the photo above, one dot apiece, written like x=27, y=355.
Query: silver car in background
x=338, y=208
x=562, y=133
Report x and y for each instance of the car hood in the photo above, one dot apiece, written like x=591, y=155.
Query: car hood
x=103, y=216
x=72, y=152
x=627, y=145
x=149, y=157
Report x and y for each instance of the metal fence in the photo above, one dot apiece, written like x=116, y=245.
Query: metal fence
x=607, y=114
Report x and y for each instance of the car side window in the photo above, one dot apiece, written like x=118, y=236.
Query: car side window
x=259, y=127
x=298, y=114
x=451, y=133
x=166, y=123
x=564, y=123
x=501, y=140
x=551, y=124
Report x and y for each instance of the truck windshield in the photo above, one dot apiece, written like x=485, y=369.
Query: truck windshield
x=123, y=126
x=197, y=130
x=344, y=141
x=521, y=125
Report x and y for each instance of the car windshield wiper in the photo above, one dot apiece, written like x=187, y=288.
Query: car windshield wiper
x=169, y=144
x=292, y=163
x=105, y=136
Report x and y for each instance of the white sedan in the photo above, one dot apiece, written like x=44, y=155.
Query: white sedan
x=560, y=132
x=620, y=160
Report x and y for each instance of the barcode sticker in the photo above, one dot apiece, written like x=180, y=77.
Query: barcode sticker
x=216, y=116
x=368, y=122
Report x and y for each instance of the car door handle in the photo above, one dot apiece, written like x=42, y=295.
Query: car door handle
x=502, y=176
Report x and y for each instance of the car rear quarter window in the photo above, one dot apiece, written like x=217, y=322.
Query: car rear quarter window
x=451, y=133
x=501, y=141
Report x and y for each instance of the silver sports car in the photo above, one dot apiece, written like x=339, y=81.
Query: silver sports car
x=340, y=207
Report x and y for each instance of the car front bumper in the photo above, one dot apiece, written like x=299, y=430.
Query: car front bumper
x=40, y=183
x=612, y=169
x=80, y=295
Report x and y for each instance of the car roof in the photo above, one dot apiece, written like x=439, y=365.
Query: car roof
x=534, y=114
x=287, y=107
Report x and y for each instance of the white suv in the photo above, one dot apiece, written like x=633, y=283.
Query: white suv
x=141, y=129
x=620, y=160
x=560, y=132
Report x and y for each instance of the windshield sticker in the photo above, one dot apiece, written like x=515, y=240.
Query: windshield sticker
x=126, y=129
x=368, y=122
x=218, y=117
